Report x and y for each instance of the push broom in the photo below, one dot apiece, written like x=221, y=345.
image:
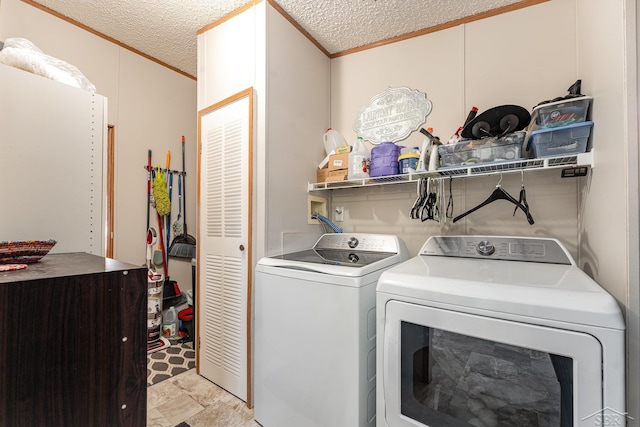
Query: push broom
x=183, y=245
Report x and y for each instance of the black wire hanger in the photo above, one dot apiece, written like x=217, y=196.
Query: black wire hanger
x=420, y=199
x=449, y=213
x=498, y=194
x=523, y=196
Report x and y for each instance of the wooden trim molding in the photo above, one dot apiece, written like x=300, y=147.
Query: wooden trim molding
x=110, y=190
x=228, y=16
x=276, y=6
x=196, y=300
x=493, y=12
x=443, y=26
x=293, y=22
x=248, y=93
x=250, y=253
x=106, y=37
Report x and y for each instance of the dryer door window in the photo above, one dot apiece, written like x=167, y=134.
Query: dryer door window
x=481, y=382
x=457, y=369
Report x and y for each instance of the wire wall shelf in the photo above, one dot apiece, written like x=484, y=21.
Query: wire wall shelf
x=583, y=160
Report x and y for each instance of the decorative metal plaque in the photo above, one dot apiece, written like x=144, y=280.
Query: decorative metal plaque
x=392, y=115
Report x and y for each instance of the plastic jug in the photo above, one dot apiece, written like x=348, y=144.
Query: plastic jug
x=170, y=323
x=359, y=161
x=384, y=159
x=332, y=140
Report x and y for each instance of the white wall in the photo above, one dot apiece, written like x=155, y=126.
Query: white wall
x=633, y=309
x=471, y=65
x=225, y=69
x=522, y=57
x=298, y=89
x=150, y=106
x=292, y=113
x=600, y=59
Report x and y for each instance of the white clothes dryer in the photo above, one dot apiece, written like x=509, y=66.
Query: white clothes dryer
x=497, y=331
x=315, y=329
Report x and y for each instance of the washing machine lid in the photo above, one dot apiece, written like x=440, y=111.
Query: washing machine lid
x=556, y=291
x=354, y=255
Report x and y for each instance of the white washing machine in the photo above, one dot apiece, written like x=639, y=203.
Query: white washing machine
x=497, y=331
x=315, y=331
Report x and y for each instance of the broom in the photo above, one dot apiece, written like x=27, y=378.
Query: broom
x=163, y=208
x=183, y=245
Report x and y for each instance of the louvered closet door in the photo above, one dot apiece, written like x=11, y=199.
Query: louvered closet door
x=224, y=240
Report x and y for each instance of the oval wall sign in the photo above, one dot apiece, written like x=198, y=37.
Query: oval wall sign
x=392, y=115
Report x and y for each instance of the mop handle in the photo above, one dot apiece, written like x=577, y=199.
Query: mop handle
x=184, y=196
x=149, y=169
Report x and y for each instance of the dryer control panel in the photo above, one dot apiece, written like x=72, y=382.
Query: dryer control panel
x=529, y=249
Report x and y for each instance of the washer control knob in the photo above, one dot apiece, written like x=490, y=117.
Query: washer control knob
x=352, y=242
x=354, y=258
x=485, y=248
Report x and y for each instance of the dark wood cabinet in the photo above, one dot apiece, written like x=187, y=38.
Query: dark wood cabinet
x=73, y=343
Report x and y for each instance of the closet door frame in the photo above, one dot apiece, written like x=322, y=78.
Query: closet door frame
x=246, y=245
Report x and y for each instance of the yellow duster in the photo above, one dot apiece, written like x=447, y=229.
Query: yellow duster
x=160, y=194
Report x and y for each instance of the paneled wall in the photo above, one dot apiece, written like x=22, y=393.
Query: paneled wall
x=485, y=63
x=150, y=106
x=521, y=57
x=506, y=59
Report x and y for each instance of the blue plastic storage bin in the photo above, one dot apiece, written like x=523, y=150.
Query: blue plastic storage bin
x=561, y=141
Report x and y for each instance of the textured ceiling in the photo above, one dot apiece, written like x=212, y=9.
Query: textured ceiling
x=166, y=29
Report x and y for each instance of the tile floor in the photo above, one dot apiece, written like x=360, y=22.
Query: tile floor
x=190, y=398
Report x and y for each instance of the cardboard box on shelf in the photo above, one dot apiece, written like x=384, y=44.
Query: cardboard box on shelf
x=338, y=161
x=337, y=175
x=321, y=174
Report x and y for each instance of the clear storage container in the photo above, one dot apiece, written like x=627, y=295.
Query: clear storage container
x=473, y=151
x=566, y=140
x=560, y=113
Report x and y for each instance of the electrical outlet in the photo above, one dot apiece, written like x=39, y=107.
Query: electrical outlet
x=339, y=214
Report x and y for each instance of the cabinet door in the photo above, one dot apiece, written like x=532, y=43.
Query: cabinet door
x=73, y=352
x=224, y=242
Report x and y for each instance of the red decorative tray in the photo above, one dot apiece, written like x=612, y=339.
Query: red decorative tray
x=24, y=252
